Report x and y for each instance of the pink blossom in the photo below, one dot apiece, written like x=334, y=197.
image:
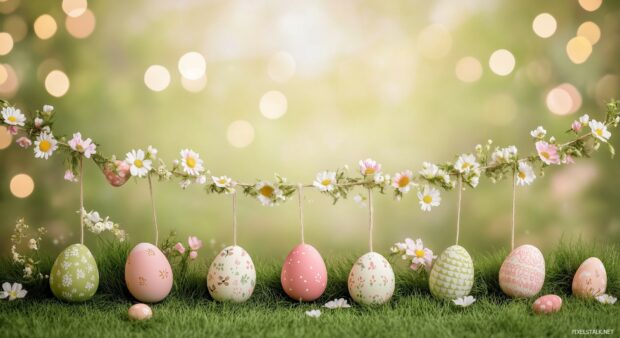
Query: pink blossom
x=87, y=147
x=12, y=130
x=420, y=256
x=69, y=176
x=548, y=153
x=180, y=248
x=193, y=255
x=576, y=126
x=369, y=167
x=568, y=160
x=194, y=243
x=24, y=142
x=38, y=122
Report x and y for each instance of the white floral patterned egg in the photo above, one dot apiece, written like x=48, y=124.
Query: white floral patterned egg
x=452, y=275
x=74, y=276
x=231, y=276
x=371, y=280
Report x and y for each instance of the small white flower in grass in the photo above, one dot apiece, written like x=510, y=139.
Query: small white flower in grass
x=45, y=145
x=465, y=163
x=313, y=313
x=584, y=119
x=12, y=292
x=606, y=299
x=13, y=117
x=32, y=244
x=403, y=181
x=429, y=197
x=339, y=303
x=539, y=133
x=48, y=108
x=464, y=301
x=429, y=170
x=139, y=166
x=86, y=147
x=369, y=167
x=325, y=181
x=525, y=174
x=599, y=130
x=191, y=162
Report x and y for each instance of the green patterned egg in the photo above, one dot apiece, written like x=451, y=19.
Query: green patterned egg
x=74, y=276
x=452, y=275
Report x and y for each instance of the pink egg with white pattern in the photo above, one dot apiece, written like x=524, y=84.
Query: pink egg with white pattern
x=522, y=273
x=590, y=280
x=547, y=304
x=304, y=275
x=148, y=274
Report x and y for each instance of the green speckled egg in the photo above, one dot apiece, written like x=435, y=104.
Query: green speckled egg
x=74, y=276
x=452, y=275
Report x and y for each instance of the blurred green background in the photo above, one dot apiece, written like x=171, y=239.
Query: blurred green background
x=399, y=81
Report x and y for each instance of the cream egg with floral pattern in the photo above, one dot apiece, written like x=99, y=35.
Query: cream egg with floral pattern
x=231, y=276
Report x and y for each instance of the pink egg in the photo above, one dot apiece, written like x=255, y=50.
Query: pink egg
x=590, y=279
x=140, y=312
x=547, y=304
x=116, y=173
x=148, y=274
x=522, y=273
x=304, y=276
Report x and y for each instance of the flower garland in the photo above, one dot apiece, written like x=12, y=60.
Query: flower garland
x=496, y=164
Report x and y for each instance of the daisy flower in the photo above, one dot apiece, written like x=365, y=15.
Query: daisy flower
x=138, y=165
x=369, y=167
x=599, y=130
x=584, y=119
x=606, y=299
x=313, y=313
x=339, y=303
x=45, y=145
x=422, y=257
x=464, y=301
x=87, y=147
x=548, y=153
x=429, y=170
x=465, y=163
x=525, y=174
x=403, y=181
x=429, y=197
x=538, y=133
x=191, y=162
x=13, y=117
x=325, y=181
x=223, y=181
x=268, y=194
x=24, y=142
x=12, y=292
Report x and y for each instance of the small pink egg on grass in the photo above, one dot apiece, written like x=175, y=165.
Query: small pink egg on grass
x=140, y=312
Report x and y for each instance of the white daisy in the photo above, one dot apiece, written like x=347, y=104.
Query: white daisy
x=599, y=130
x=268, y=194
x=313, y=313
x=13, y=117
x=339, y=303
x=606, y=299
x=223, y=182
x=403, y=181
x=138, y=166
x=525, y=174
x=465, y=163
x=325, y=181
x=538, y=133
x=12, y=292
x=191, y=162
x=429, y=170
x=45, y=145
x=464, y=301
x=429, y=197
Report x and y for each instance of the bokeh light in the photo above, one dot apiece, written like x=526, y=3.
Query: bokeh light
x=4, y=74
x=74, y=8
x=578, y=49
x=590, y=5
x=273, y=104
x=468, y=69
x=240, y=134
x=82, y=26
x=564, y=99
x=8, y=6
x=194, y=86
x=435, y=42
x=502, y=62
x=57, y=83
x=192, y=65
x=157, y=78
x=544, y=25
x=21, y=185
x=590, y=31
x=5, y=137
x=6, y=43
x=281, y=67
x=16, y=26
x=45, y=26
x=606, y=87
x=10, y=85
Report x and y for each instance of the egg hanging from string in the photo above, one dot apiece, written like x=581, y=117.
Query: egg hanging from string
x=304, y=275
x=522, y=273
x=371, y=280
x=148, y=274
x=74, y=276
x=231, y=276
x=452, y=275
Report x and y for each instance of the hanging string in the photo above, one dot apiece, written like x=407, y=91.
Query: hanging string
x=81, y=201
x=234, y=203
x=154, y=212
x=514, y=202
x=370, y=219
x=300, y=192
x=458, y=209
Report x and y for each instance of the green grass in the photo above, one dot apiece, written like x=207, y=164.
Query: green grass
x=412, y=312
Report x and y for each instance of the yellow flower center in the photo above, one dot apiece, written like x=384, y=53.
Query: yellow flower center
x=266, y=191
x=45, y=146
x=369, y=171
x=12, y=294
x=427, y=199
x=79, y=148
x=190, y=161
x=326, y=182
x=545, y=154
x=521, y=175
x=419, y=253
x=466, y=165
x=403, y=181
x=138, y=163
x=12, y=119
x=599, y=132
x=222, y=181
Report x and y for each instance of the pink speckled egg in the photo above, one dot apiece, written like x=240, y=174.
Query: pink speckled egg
x=117, y=172
x=140, y=312
x=547, y=304
x=590, y=279
x=148, y=274
x=522, y=274
x=304, y=276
